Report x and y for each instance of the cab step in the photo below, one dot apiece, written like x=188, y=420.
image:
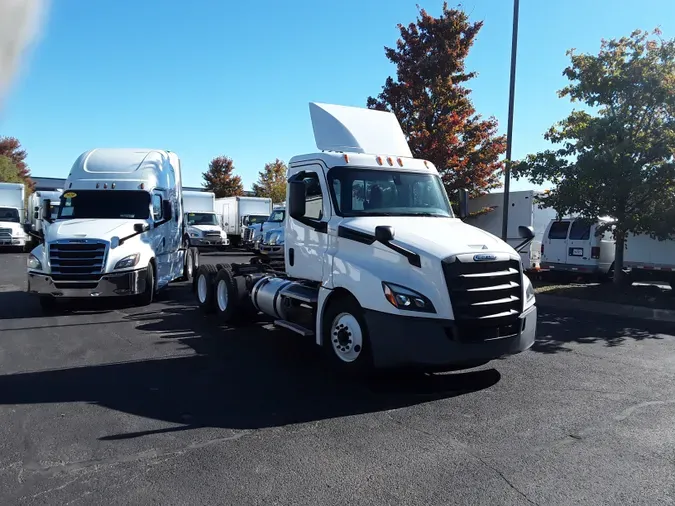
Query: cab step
x=298, y=329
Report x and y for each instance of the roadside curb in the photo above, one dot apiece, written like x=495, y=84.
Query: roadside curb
x=606, y=308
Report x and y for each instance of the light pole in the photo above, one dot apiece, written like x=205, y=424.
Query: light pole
x=509, y=130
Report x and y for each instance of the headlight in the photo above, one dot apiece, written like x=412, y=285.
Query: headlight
x=194, y=234
x=404, y=298
x=529, y=292
x=127, y=262
x=33, y=263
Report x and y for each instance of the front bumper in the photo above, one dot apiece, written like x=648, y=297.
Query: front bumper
x=12, y=241
x=403, y=341
x=119, y=284
x=210, y=242
x=272, y=251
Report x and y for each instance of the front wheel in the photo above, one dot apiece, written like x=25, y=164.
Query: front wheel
x=345, y=337
x=148, y=294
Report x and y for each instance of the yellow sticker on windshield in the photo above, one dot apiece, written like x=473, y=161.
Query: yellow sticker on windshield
x=69, y=195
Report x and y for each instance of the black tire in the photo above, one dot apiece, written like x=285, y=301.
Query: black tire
x=148, y=295
x=48, y=304
x=188, y=268
x=205, y=287
x=226, y=295
x=347, y=312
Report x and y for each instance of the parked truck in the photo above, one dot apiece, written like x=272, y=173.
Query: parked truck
x=118, y=232
x=377, y=269
x=35, y=203
x=486, y=213
x=12, y=215
x=236, y=213
x=648, y=259
x=203, y=227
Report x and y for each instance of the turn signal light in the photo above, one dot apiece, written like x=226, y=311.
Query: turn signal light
x=400, y=162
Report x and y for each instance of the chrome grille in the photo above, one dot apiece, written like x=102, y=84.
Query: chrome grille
x=5, y=234
x=212, y=234
x=77, y=261
x=247, y=234
x=486, y=297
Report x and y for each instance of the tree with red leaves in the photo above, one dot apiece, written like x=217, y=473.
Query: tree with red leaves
x=432, y=103
x=10, y=148
x=220, y=179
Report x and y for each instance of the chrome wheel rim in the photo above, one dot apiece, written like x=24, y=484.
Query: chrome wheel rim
x=221, y=295
x=201, y=288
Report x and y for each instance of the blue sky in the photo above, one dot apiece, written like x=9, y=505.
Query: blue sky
x=222, y=77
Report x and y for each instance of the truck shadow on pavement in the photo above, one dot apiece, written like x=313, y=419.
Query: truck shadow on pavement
x=245, y=378
x=556, y=331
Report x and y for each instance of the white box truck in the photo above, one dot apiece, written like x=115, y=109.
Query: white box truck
x=236, y=213
x=377, y=269
x=523, y=211
x=203, y=227
x=12, y=215
x=35, y=203
x=118, y=232
x=649, y=259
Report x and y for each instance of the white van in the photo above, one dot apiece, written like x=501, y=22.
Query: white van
x=571, y=245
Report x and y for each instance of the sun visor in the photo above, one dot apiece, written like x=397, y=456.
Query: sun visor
x=357, y=130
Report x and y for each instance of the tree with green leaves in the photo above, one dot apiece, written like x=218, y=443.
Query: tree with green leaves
x=272, y=182
x=220, y=178
x=431, y=100
x=616, y=158
x=9, y=172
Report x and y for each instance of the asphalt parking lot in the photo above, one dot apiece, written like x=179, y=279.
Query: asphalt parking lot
x=159, y=405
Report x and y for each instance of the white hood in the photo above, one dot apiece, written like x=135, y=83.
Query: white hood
x=207, y=228
x=90, y=229
x=15, y=227
x=437, y=237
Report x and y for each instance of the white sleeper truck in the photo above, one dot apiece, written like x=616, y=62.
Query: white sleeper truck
x=377, y=269
x=203, y=230
x=118, y=232
x=12, y=215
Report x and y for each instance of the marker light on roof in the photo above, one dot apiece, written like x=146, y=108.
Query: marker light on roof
x=105, y=186
x=142, y=186
x=379, y=160
x=346, y=157
x=390, y=160
x=98, y=185
x=112, y=186
x=400, y=161
x=426, y=164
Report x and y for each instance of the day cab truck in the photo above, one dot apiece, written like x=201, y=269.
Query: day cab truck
x=35, y=213
x=378, y=270
x=12, y=215
x=118, y=232
x=203, y=229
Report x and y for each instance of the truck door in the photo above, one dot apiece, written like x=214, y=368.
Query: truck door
x=580, y=251
x=161, y=240
x=308, y=245
x=555, y=243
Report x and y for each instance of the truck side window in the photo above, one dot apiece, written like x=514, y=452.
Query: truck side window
x=580, y=231
x=156, y=207
x=313, y=197
x=558, y=230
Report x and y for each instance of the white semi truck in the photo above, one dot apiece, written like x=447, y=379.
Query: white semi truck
x=35, y=203
x=377, y=269
x=203, y=229
x=119, y=230
x=12, y=215
x=236, y=213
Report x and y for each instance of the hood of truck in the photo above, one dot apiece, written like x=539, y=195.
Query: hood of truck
x=90, y=229
x=206, y=228
x=16, y=228
x=437, y=237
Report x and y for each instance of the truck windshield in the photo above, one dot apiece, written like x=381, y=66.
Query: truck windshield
x=367, y=192
x=277, y=216
x=55, y=211
x=202, y=219
x=105, y=204
x=9, y=214
x=255, y=219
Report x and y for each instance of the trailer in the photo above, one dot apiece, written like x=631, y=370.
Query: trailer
x=377, y=269
x=236, y=213
x=486, y=213
x=648, y=259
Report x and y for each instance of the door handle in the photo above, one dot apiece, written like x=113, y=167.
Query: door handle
x=163, y=241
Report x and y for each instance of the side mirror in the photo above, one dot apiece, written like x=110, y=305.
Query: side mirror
x=463, y=204
x=36, y=215
x=384, y=233
x=296, y=199
x=167, y=210
x=526, y=232
x=139, y=228
x=47, y=210
x=27, y=227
